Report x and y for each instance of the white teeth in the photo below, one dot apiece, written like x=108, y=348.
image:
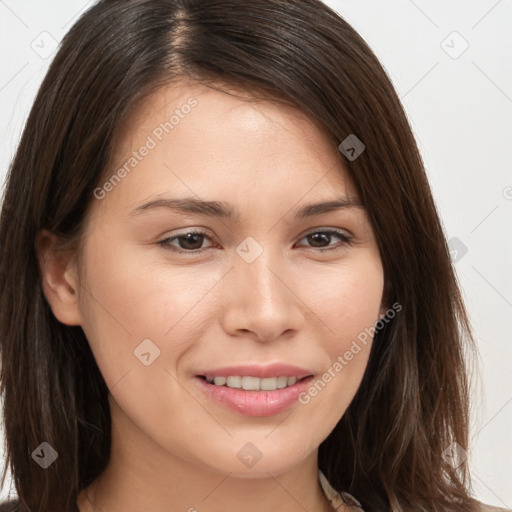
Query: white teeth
x=234, y=382
x=250, y=383
x=268, y=384
x=253, y=383
x=282, y=382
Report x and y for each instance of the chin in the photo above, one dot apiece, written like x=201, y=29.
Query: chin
x=251, y=463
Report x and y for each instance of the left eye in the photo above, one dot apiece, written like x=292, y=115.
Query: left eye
x=319, y=236
x=191, y=241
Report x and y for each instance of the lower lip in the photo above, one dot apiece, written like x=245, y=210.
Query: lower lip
x=255, y=403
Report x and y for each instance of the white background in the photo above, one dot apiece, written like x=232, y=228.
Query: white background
x=460, y=108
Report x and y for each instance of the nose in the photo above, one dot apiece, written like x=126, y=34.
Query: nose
x=261, y=300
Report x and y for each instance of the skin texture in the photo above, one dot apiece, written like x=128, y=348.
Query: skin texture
x=173, y=448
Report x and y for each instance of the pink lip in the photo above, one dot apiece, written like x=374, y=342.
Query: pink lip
x=252, y=370
x=256, y=403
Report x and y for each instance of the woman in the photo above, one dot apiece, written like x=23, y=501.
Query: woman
x=263, y=370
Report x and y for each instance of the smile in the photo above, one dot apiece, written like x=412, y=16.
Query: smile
x=247, y=395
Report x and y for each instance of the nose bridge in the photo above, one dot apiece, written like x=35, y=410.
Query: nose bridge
x=258, y=267
x=261, y=301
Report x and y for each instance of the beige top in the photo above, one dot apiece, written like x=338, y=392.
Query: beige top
x=346, y=502
x=338, y=499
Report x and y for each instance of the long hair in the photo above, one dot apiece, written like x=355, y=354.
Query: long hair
x=388, y=448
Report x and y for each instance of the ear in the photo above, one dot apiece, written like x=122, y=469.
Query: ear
x=59, y=279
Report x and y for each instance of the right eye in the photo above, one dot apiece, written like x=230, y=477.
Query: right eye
x=185, y=240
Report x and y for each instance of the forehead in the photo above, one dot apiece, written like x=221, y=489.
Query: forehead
x=226, y=145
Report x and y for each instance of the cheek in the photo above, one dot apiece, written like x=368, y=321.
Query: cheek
x=139, y=321
x=127, y=301
x=348, y=298
x=348, y=303
x=140, y=290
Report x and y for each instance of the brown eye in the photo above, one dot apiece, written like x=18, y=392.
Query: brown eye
x=318, y=239
x=190, y=241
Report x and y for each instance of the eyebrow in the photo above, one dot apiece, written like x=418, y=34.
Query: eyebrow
x=226, y=211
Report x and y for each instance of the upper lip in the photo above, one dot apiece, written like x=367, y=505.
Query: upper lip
x=261, y=371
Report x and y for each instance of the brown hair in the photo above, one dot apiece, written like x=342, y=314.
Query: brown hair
x=387, y=449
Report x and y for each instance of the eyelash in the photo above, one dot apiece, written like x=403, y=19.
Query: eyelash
x=165, y=243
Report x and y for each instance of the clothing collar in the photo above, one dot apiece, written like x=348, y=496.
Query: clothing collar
x=339, y=500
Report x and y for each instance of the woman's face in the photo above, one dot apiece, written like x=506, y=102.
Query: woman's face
x=163, y=310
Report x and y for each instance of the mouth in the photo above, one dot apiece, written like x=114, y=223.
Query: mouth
x=254, y=396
